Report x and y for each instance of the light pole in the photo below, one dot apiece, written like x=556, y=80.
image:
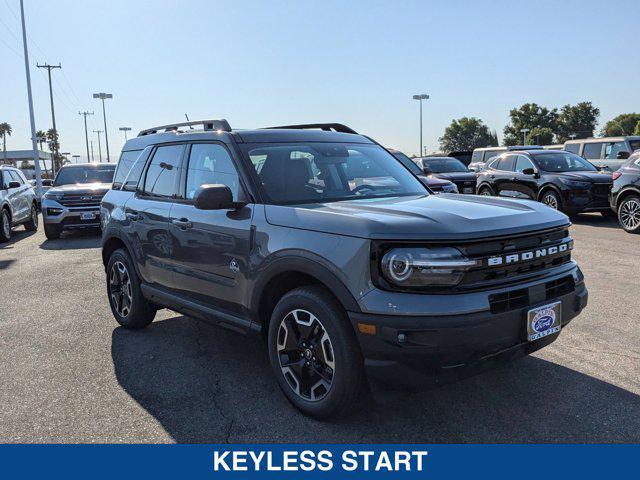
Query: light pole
x=103, y=97
x=573, y=136
x=86, y=132
x=99, y=147
x=524, y=132
x=420, y=98
x=125, y=130
x=77, y=157
x=92, y=159
x=63, y=154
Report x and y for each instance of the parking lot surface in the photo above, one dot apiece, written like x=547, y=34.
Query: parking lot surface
x=69, y=373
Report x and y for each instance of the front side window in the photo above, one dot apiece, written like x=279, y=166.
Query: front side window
x=210, y=163
x=612, y=149
x=572, y=147
x=15, y=177
x=163, y=171
x=445, y=165
x=325, y=172
x=85, y=174
x=592, y=150
x=563, y=162
x=522, y=163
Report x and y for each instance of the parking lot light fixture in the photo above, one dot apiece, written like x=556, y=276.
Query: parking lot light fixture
x=103, y=96
x=125, y=130
x=524, y=132
x=420, y=97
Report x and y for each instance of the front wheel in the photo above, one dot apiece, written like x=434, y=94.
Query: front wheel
x=5, y=225
x=551, y=199
x=128, y=305
x=52, y=231
x=629, y=214
x=485, y=191
x=32, y=224
x=314, y=353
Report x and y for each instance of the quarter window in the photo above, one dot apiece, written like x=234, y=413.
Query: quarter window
x=210, y=163
x=163, y=172
x=592, y=150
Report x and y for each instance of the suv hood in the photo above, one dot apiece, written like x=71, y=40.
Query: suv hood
x=430, y=180
x=594, y=177
x=432, y=217
x=89, y=188
x=457, y=176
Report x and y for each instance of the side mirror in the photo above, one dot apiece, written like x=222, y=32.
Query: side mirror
x=14, y=184
x=427, y=170
x=213, y=197
x=623, y=155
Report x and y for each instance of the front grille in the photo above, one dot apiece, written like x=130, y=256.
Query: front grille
x=511, y=300
x=524, y=297
x=602, y=189
x=465, y=184
x=81, y=200
x=559, y=287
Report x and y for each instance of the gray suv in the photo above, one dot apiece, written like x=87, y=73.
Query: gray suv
x=322, y=242
x=17, y=202
x=73, y=201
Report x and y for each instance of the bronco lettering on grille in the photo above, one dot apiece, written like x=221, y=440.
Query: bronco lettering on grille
x=528, y=255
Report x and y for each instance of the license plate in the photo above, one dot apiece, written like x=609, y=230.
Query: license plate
x=543, y=321
x=467, y=190
x=87, y=216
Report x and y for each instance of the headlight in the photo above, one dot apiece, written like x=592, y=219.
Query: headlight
x=575, y=183
x=425, y=267
x=450, y=188
x=53, y=195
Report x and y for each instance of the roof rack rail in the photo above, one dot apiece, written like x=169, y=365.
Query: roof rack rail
x=221, y=124
x=336, y=127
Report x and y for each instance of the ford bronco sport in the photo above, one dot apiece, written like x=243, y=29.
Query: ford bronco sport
x=318, y=239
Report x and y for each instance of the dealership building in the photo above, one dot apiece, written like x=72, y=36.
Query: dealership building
x=23, y=159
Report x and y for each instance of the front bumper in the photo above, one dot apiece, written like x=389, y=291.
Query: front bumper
x=593, y=199
x=416, y=352
x=70, y=218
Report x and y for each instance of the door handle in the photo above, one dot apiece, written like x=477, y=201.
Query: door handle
x=134, y=216
x=182, y=223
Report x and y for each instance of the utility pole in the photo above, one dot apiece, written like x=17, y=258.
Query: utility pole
x=103, y=96
x=34, y=140
x=86, y=134
x=53, y=112
x=90, y=160
x=99, y=148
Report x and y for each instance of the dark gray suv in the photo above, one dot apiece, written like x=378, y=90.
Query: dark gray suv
x=320, y=240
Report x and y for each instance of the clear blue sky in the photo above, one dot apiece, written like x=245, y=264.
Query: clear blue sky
x=264, y=63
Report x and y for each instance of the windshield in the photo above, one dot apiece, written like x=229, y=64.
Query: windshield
x=73, y=175
x=563, y=162
x=444, y=165
x=407, y=162
x=325, y=172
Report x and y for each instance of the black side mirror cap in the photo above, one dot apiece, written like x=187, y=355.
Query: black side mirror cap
x=214, y=197
x=14, y=184
x=529, y=171
x=623, y=155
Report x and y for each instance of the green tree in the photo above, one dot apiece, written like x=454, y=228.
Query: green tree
x=54, y=146
x=529, y=115
x=5, y=129
x=637, y=130
x=624, y=124
x=466, y=134
x=41, y=137
x=577, y=120
x=540, y=136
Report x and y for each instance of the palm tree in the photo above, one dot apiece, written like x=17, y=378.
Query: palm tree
x=54, y=146
x=41, y=137
x=5, y=129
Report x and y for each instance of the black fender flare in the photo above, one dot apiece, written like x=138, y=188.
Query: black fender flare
x=630, y=189
x=112, y=233
x=306, y=263
x=545, y=187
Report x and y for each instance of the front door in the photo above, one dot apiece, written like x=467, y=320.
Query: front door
x=211, y=246
x=148, y=214
x=524, y=186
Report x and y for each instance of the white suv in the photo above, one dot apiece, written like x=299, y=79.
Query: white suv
x=17, y=202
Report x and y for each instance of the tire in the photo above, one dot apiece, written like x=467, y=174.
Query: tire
x=485, y=191
x=128, y=305
x=629, y=214
x=325, y=345
x=5, y=225
x=551, y=199
x=52, y=231
x=32, y=224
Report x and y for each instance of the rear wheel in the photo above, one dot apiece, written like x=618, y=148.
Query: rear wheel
x=5, y=225
x=629, y=214
x=551, y=199
x=314, y=353
x=128, y=305
x=52, y=231
x=32, y=224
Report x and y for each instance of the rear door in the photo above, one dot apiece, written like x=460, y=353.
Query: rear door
x=211, y=249
x=19, y=197
x=502, y=177
x=147, y=215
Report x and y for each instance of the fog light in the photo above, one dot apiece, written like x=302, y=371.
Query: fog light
x=54, y=211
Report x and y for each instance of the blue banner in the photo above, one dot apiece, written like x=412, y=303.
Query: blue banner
x=521, y=462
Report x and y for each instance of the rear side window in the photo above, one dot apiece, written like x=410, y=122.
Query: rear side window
x=476, y=156
x=163, y=171
x=572, y=147
x=488, y=155
x=505, y=163
x=592, y=150
x=127, y=160
x=612, y=149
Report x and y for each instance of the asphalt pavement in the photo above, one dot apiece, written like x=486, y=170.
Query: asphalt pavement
x=69, y=373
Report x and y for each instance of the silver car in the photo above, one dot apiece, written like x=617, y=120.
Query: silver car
x=17, y=202
x=73, y=202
